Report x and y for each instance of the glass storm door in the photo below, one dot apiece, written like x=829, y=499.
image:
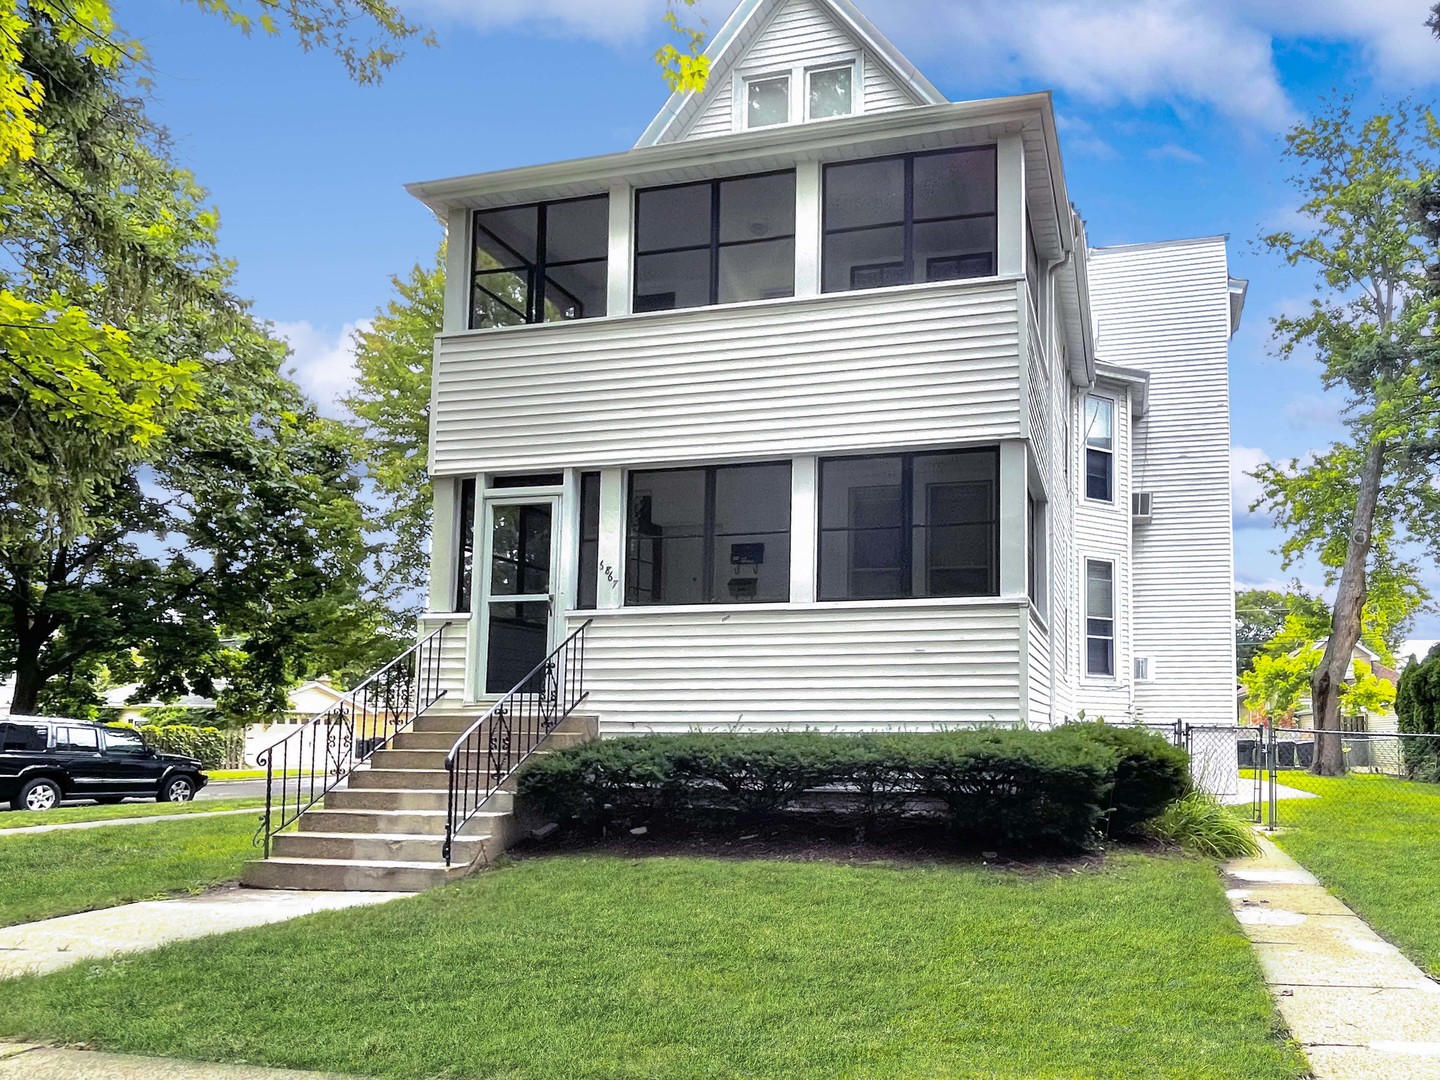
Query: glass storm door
x=519, y=588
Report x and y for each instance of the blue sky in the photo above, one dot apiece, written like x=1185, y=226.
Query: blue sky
x=1171, y=115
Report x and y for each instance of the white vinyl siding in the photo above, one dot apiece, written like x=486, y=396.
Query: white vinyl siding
x=454, y=648
x=1165, y=308
x=882, y=92
x=825, y=667
x=1037, y=673
x=929, y=365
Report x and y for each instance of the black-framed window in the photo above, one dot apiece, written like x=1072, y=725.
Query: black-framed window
x=718, y=534
x=1100, y=618
x=715, y=242
x=588, y=583
x=464, y=543
x=542, y=262
x=1099, y=448
x=912, y=218
x=898, y=526
x=1034, y=551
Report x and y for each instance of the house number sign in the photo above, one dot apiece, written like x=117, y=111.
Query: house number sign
x=608, y=572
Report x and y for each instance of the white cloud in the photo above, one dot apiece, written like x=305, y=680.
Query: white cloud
x=322, y=364
x=1244, y=488
x=610, y=21
x=1175, y=152
x=1310, y=411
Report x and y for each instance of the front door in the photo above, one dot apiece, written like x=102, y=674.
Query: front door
x=518, y=579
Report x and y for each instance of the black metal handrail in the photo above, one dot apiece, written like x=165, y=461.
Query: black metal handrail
x=497, y=744
x=331, y=744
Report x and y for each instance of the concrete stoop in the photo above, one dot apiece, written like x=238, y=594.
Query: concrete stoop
x=384, y=830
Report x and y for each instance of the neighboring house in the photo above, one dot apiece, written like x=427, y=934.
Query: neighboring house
x=818, y=404
x=1304, y=712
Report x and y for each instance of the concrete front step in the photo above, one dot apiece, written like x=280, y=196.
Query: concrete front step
x=353, y=798
x=373, y=847
x=413, y=822
x=434, y=760
x=349, y=875
x=370, y=778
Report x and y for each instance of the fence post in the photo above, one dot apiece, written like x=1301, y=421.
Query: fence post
x=1271, y=759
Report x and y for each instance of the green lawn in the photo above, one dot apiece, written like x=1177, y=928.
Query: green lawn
x=1375, y=843
x=63, y=815
x=249, y=774
x=598, y=966
x=59, y=873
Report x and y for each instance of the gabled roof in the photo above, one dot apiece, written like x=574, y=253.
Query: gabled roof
x=730, y=44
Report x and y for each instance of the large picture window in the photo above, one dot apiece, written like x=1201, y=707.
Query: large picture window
x=544, y=262
x=910, y=525
x=1099, y=618
x=715, y=242
x=716, y=535
x=1099, y=448
x=919, y=217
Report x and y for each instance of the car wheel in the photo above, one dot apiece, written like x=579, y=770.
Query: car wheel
x=38, y=795
x=177, y=789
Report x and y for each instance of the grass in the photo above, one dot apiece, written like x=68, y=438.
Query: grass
x=247, y=774
x=64, y=815
x=1372, y=841
x=47, y=874
x=598, y=966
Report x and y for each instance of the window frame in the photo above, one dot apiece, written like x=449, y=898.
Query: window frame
x=1113, y=637
x=708, y=534
x=909, y=221
x=587, y=570
x=535, y=274
x=715, y=246
x=808, y=73
x=1037, y=563
x=906, y=526
x=747, y=81
x=467, y=501
x=1087, y=449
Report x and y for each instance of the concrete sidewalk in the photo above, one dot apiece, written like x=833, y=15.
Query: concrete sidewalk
x=23, y=830
x=55, y=1063
x=34, y=948
x=1358, y=1007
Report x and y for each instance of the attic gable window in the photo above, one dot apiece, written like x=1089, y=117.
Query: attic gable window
x=830, y=92
x=910, y=219
x=767, y=102
x=543, y=262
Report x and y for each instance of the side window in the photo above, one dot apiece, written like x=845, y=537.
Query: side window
x=126, y=743
x=77, y=739
x=1099, y=449
x=767, y=102
x=830, y=92
x=23, y=738
x=1099, y=618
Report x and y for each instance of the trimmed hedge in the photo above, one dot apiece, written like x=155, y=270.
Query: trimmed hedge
x=206, y=743
x=1010, y=788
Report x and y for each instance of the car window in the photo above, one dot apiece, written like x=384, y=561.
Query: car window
x=77, y=738
x=23, y=737
x=118, y=741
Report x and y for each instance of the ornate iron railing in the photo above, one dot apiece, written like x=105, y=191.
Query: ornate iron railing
x=309, y=762
x=497, y=744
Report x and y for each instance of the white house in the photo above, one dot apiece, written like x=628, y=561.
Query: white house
x=817, y=402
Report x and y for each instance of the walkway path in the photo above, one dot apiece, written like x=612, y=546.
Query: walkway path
x=1357, y=1006
x=56, y=943
x=54, y=1063
x=23, y=829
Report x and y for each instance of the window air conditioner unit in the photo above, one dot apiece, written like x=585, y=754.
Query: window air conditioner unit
x=1144, y=669
x=1142, y=506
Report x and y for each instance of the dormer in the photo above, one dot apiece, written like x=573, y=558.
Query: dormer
x=783, y=62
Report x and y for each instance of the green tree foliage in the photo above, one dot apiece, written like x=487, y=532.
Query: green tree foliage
x=1359, y=505
x=1278, y=680
x=224, y=546
x=687, y=69
x=1417, y=705
x=1260, y=614
x=391, y=403
x=1366, y=692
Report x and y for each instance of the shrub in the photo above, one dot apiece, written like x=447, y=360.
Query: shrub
x=208, y=744
x=1004, y=788
x=1150, y=772
x=1199, y=823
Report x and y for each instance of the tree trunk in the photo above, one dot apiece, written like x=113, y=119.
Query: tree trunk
x=1345, y=624
x=29, y=681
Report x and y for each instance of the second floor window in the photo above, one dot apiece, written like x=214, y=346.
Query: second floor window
x=545, y=262
x=715, y=242
x=1099, y=449
x=914, y=218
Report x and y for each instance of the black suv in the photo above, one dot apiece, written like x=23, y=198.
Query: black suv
x=46, y=759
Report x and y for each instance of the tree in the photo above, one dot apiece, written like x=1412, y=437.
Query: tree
x=1261, y=614
x=391, y=403
x=1360, y=503
x=1277, y=680
x=1366, y=692
x=1417, y=705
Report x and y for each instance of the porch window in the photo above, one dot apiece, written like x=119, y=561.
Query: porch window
x=544, y=262
x=587, y=589
x=913, y=218
x=713, y=535
x=1099, y=618
x=1099, y=448
x=910, y=525
x=715, y=242
x=464, y=543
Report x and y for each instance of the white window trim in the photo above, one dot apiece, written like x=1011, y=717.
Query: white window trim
x=799, y=75
x=1100, y=676
x=1114, y=450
